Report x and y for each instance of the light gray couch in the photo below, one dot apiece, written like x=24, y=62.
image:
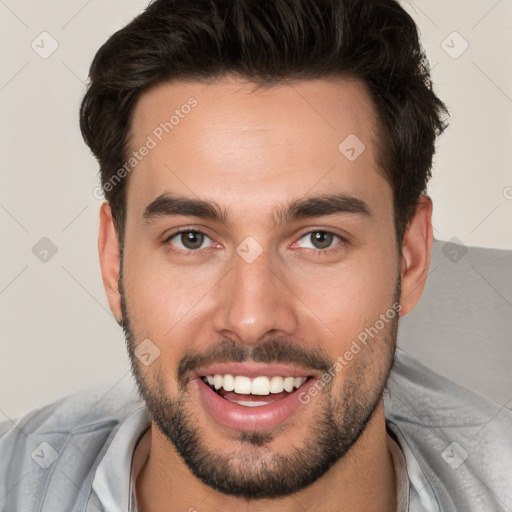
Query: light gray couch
x=462, y=326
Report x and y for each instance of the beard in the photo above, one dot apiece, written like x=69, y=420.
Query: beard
x=255, y=471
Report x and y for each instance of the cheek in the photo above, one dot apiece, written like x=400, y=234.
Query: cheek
x=349, y=297
x=162, y=298
x=333, y=302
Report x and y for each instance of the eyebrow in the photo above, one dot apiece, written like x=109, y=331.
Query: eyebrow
x=168, y=205
x=319, y=206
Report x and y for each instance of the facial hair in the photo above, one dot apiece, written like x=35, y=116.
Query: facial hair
x=255, y=472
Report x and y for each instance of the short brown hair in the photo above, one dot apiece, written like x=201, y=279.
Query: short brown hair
x=269, y=42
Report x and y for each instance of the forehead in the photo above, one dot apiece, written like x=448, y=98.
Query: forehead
x=233, y=144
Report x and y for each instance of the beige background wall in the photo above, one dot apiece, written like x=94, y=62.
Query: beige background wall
x=57, y=334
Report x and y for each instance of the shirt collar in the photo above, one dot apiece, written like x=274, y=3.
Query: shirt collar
x=401, y=477
x=112, y=481
x=419, y=492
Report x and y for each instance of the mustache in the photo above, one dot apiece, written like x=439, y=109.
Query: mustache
x=274, y=350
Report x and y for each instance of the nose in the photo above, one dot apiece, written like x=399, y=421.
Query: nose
x=254, y=300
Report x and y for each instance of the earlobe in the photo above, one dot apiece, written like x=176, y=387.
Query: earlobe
x=415, y=258
x=108, y=248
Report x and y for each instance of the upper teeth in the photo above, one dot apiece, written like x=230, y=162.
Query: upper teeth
x=257, y=386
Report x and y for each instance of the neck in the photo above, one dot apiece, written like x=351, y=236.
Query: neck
x=363, y=480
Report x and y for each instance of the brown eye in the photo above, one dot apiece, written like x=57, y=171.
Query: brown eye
x=321, y=239
x=318, y=240
x=189, y=240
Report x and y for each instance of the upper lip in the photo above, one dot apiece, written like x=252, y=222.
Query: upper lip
x=253, y=370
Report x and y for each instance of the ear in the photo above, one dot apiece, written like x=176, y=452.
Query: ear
x=108, y=248
x=415, y=258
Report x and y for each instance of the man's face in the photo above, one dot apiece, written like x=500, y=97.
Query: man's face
x=266, y=282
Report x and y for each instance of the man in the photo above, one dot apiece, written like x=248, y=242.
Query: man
x=264, y=166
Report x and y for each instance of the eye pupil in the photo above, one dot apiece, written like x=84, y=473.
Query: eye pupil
x=321, y=239
x=192, y=239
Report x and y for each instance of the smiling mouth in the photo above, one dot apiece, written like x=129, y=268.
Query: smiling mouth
x=253, y=392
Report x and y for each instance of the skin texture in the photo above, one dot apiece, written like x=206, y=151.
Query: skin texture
x=253, y=152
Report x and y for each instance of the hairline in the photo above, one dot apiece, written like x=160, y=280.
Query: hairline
x=380, y=141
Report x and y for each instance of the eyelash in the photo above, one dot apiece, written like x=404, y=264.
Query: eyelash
x=322, y=252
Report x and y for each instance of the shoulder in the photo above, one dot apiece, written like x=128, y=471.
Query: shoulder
x=64, y=439
x=460, y=439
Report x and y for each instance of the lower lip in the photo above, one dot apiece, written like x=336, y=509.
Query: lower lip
x=240, y=417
